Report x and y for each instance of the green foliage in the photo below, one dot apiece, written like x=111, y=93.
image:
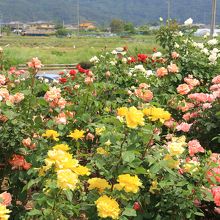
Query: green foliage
x=117, y=26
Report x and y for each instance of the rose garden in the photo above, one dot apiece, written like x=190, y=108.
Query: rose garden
x=136, y=136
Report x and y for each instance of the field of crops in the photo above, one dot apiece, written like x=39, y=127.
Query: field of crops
x=20, y=49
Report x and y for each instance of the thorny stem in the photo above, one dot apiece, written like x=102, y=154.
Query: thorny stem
x=148, y=145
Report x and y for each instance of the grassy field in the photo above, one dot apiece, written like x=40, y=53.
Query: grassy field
x=18, y=49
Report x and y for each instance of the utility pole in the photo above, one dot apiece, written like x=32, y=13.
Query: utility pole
x=168, y=9
x=214, y=5
x=78, y=15
x=1, y=25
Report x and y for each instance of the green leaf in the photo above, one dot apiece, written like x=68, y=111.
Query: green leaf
x=128, y=156
x=199, y=213
x=69, y=195
x=129, y=212
x=34, y=212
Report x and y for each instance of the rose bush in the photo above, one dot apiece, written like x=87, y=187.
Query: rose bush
x=134, y=137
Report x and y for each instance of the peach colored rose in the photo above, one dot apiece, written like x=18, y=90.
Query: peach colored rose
x=18, y=97
x=175, y=55
x=90, y=136
x=4, y=93
x=6, y=197
x=183, y=89
x=108, y=74
x=52, y=94
x=144, y=86
x=76, y=87
x=35, y=63
x=26, y=142
x=88, y=80
x=173, y=68
x=61, y=118
x=147, y=96
x=162, y=72
x=2, y=79
x=191, y=82
x=61, y=103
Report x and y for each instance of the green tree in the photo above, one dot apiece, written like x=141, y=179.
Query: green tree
x=61, y=32
x=117, y=26
x=129, y=27
x=145, y=30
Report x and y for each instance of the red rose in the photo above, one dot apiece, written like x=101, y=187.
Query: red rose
x=72, y=72
x=18, y=162
x=131, y=60
x=142, y=57
x=137, y=206
x=63, y=80
x=61, y=73
x=26, y=165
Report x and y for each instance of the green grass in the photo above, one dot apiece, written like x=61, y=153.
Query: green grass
x=18, y=49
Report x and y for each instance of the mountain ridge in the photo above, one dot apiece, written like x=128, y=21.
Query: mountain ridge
x=102, y=11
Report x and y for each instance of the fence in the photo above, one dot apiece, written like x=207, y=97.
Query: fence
x=50, y=66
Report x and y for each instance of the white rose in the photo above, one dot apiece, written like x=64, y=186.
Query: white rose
x=188, y=22
x=176, y=45
x=94, y=59
x=205, y=51
x=212, y=41
x=113, y=63
x=140, y=68
x=129, y=73
x=149, y=73
x=155, y=55
x=161, y=19
x=180, y=34
x=215, y=50
x=124, y=60
x=114, y=52
x=213, y=57
x=200, y=45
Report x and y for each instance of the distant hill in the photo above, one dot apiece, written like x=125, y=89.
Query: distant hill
x=102, y=11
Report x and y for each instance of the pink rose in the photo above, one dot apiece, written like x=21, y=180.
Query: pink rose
x=195, y=147
x=216, y=80
x=216, y=195
x=185, y=127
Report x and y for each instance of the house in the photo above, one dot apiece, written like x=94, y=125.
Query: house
x=39, y=28
x=87, y=26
